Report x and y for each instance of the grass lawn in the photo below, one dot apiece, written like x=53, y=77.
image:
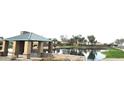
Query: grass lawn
x=114, y=53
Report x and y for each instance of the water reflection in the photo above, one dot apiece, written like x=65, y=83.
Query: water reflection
x=70, y=51
x=99, y=56
x=90, y=55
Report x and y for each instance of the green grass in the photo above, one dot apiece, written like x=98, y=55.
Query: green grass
x=114, y=53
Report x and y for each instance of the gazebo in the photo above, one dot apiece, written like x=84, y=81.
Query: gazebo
x=23, y=44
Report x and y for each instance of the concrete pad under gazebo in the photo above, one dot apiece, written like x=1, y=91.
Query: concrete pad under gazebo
x=23, y=44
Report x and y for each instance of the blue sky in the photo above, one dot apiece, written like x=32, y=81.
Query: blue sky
x=52, y=18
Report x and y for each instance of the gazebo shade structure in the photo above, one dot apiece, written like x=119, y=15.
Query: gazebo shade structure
x=28, y=37
x=22, y=44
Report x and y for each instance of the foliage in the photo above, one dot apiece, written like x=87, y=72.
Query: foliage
x=119, y=41
x=91, y=39
x=78, y=40
x=64, y=38
x=10, y=44
x=56, y=42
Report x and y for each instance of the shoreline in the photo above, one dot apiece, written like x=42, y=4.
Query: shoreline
x=53, y=57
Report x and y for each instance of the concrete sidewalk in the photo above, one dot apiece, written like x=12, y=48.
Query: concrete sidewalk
x=113, y=59
x=3, y=58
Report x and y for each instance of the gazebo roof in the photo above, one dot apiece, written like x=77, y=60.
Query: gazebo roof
x=28, y=37
x=1, y=38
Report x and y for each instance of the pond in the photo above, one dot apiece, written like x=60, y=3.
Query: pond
x=93, y=55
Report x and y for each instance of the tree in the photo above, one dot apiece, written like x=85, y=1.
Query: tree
x=55, y=42
x=82, y=40
x=64, y=38
x=10, y=44
x=71, y=41
x=91, y=39
x=78, y=39
x=85, y=41
x=119, y=41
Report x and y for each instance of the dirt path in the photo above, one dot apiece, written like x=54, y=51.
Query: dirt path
x=55, y=57
x=113, y=59
x=5, y=58
x=68, y=57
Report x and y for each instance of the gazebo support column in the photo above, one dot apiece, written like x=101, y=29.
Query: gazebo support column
x=50, y=47
x=40, y=48
x=27, y=49
x=5, y=48
x=15, y=49
x=31, y=46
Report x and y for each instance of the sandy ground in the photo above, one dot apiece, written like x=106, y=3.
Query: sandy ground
x=55, y=57
x=67, y=57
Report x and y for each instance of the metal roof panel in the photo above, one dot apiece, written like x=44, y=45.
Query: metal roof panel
x=28, y=37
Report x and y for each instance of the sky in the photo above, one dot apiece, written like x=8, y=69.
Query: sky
x=51, y=18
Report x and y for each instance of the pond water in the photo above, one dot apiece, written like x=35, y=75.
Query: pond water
x=93, y=55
